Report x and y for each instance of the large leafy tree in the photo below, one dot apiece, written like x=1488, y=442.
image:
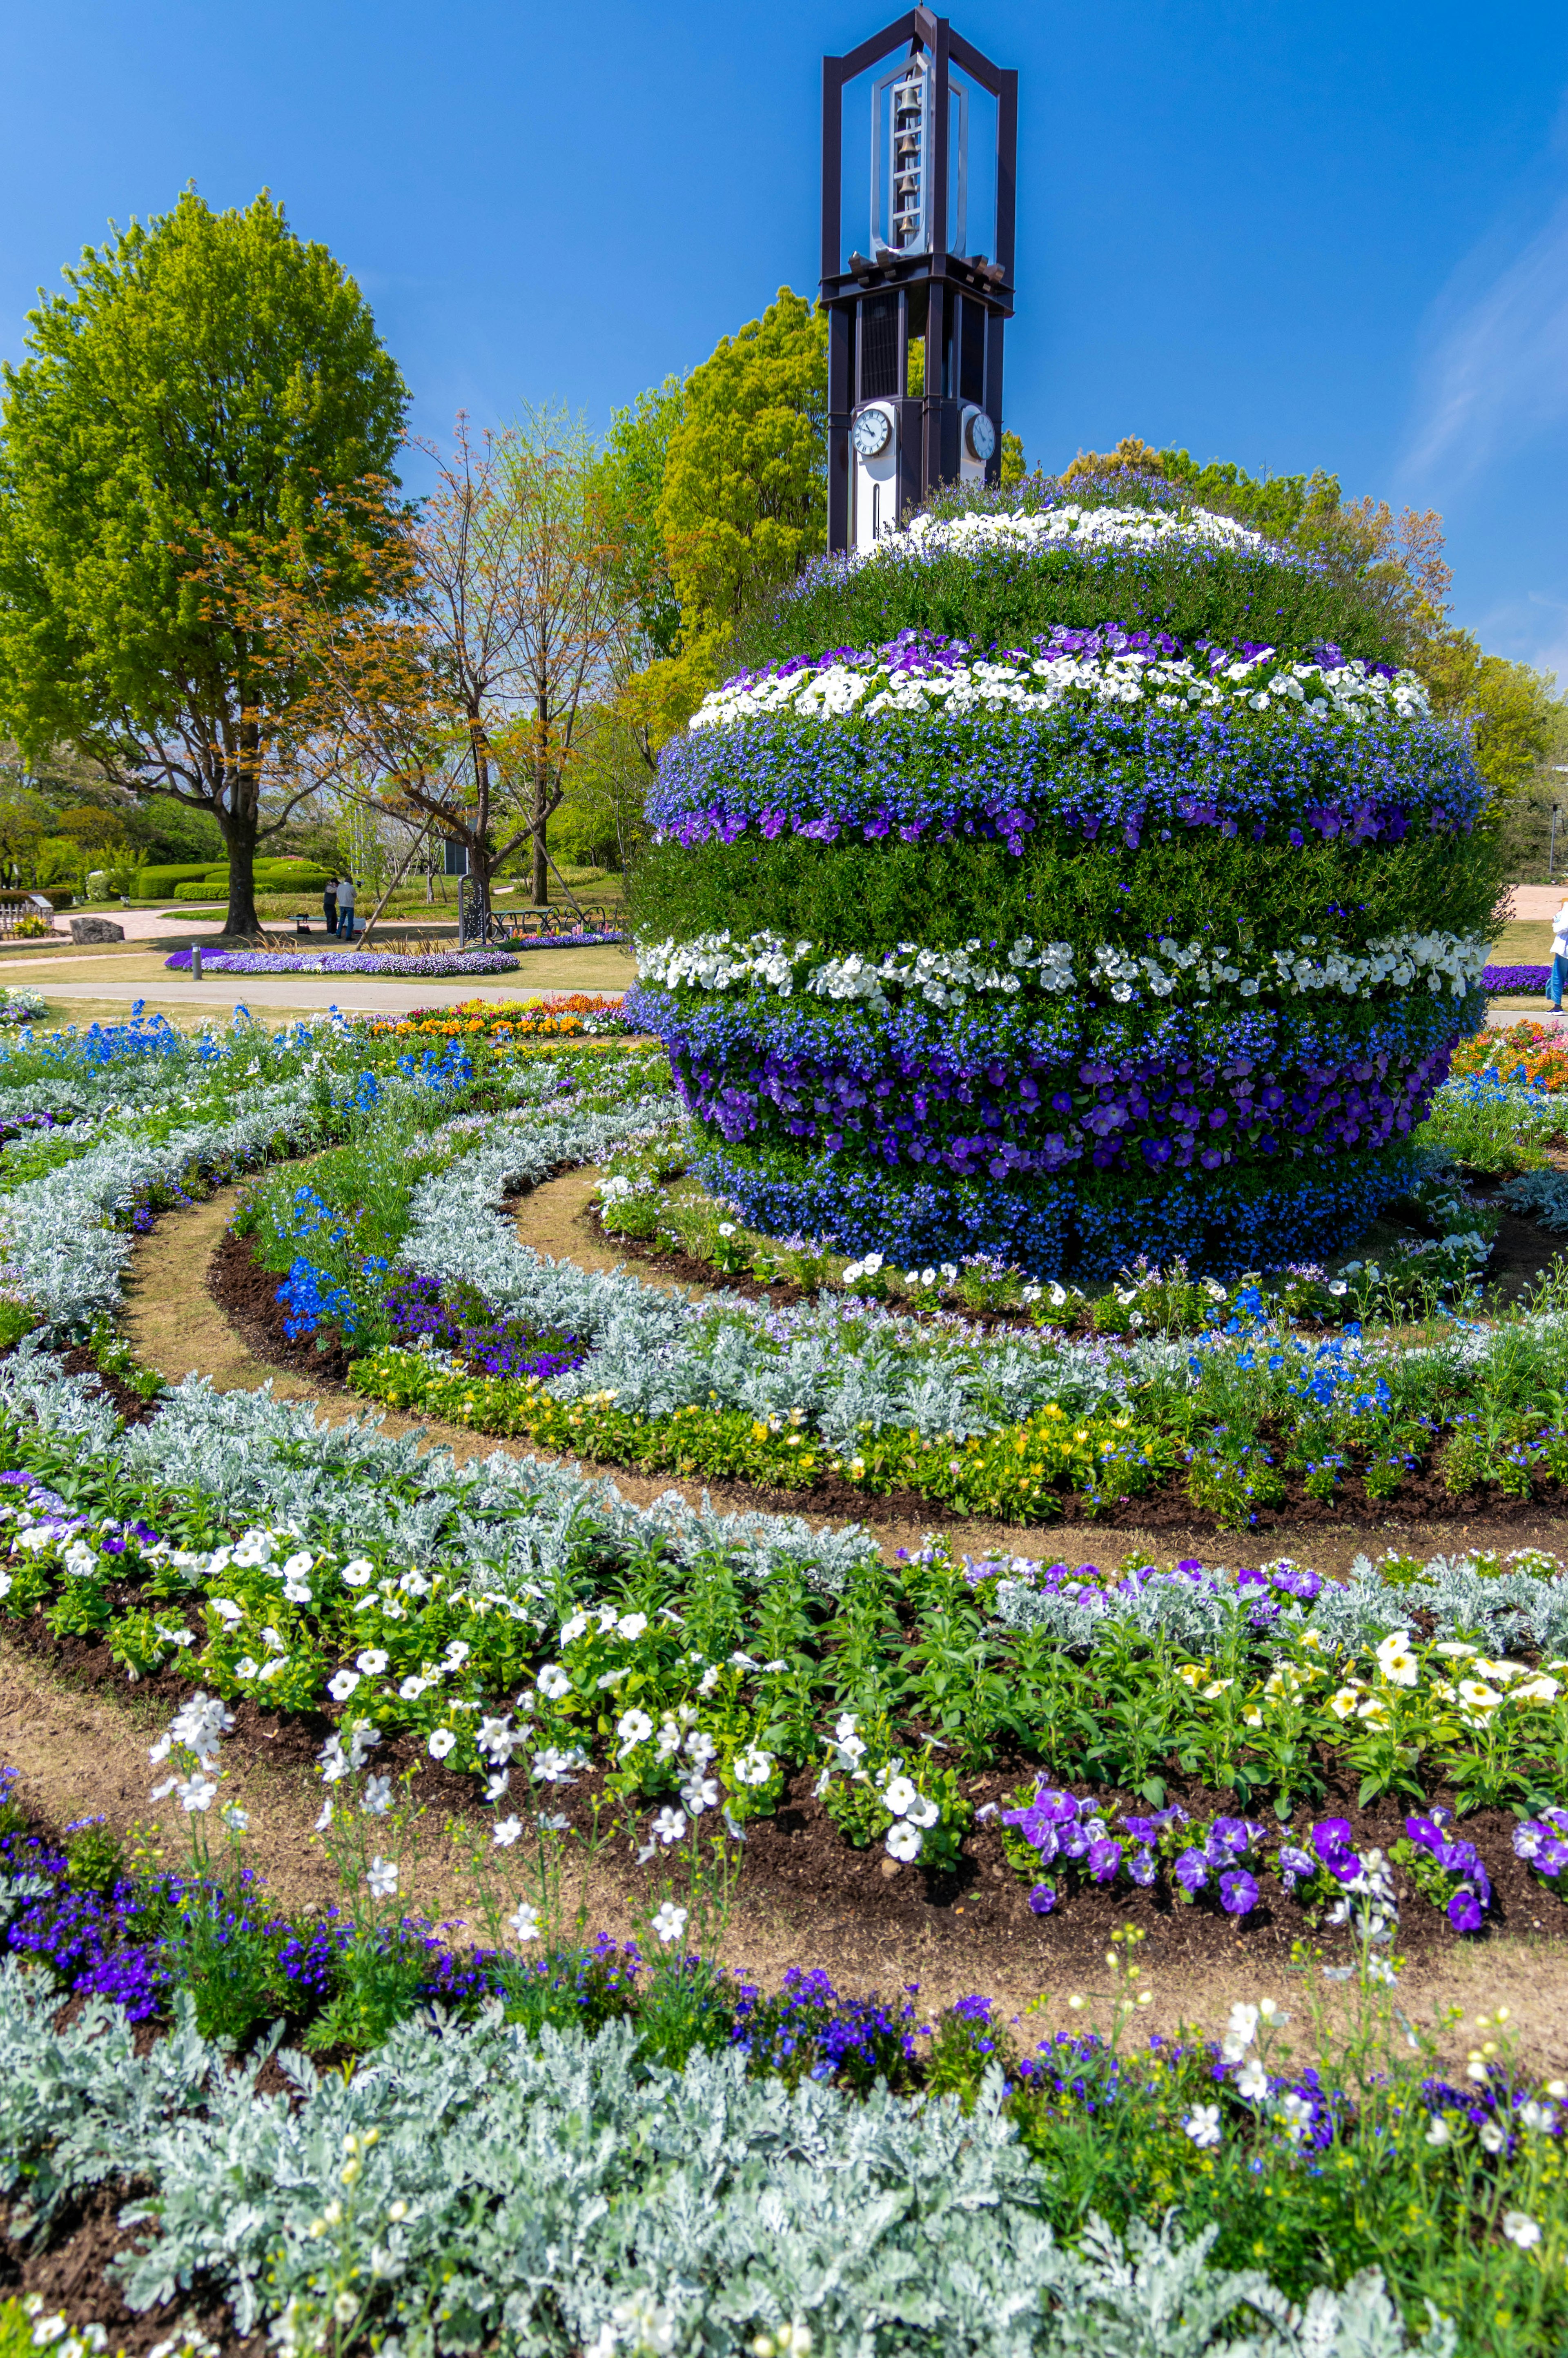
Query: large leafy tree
x=743, y=503
x=208, y=381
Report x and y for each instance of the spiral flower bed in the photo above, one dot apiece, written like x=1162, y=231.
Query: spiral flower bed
x=1082, y=934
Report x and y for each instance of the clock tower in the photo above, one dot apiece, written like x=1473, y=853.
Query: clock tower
x=919, y=160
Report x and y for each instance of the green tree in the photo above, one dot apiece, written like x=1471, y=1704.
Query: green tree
x=207, y=380
x=1517, y=715
x=1013, y=469
x=630, y=481
x=744, y=500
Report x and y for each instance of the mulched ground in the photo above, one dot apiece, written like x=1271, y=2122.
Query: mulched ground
x=248, y=1295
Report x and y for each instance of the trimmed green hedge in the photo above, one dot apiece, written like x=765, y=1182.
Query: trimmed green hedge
x=871, y=896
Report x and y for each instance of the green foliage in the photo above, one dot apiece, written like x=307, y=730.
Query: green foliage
x=1517, y=715
x=205, y=377
x=872, y=896
x=744, y=499
x=1006, y=598
x=631, y=480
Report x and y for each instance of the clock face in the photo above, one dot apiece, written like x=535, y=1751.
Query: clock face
x=982, y=435
x=871, y=431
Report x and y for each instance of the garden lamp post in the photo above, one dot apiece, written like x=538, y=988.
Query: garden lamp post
x=919, y=167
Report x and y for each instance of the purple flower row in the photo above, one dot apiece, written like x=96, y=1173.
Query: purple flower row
x=1109, y=773
x=919, y=654
x=1519, y=978
x=1228, y=1854
x=442, y=962
x=1025, y=1116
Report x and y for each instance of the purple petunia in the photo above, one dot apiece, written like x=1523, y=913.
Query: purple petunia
x=1043, y=1899
x=1238, y=1892
x=1104, y=1857
x=1191, y=1870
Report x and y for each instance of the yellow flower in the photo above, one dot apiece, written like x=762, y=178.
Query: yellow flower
x=1343, y=1703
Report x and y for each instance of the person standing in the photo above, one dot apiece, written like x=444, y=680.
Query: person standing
x=1558, y=975
x=346, y=908
x=330, y=906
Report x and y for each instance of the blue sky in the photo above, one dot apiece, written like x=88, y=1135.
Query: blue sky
x=1291, y=237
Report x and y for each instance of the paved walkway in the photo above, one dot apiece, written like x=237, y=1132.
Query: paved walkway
x=1537, y=901
x=121, y=977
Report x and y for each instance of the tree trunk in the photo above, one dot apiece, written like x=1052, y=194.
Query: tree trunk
x=240, y=840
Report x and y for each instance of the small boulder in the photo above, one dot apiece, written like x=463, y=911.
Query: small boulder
x=96, y=929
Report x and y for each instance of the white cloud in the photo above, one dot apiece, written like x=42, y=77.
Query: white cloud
x=1499, y=370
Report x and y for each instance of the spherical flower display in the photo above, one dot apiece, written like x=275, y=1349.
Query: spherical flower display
x=1147, y=927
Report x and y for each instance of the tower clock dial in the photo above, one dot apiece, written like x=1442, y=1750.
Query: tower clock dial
x=871, y=429
x=981, y=436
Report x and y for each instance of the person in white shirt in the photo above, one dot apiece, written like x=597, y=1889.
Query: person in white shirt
x=1559, y=960
x=346, y=908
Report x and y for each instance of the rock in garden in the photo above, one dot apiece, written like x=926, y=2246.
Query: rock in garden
x=96, y=929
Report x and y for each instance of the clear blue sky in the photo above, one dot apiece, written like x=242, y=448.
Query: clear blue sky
x=1333, y=236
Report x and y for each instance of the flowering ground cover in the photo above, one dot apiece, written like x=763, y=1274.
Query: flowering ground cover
x=1516, y=978
x=1370, y=1767
x=388, y=962
x=564, y=1015
x=1038, y=927
x=1535, y=1053
x=1032, y=2159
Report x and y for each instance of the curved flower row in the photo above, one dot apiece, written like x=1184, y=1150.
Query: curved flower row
x=1097, y=772
x=1025, y=533
x=717, y=962
x=1008, y=1114
x=917, y=674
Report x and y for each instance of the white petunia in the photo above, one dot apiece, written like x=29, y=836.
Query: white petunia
x=554, y=1682
x=341, y=1686
x=372, y=1660
x=903, y=1842
x=439, y=1742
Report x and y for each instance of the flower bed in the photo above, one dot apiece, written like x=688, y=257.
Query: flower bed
x=387, y=962
x=1517, y=979
x=1050, y=1747
x=1533, y=1053
x=658, y=2053
x=1004, y=940
x=567, y=1015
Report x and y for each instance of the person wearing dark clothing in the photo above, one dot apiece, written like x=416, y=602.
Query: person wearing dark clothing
x=330, y=906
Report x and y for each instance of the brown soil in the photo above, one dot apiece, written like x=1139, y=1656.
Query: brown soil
x=71, y=2276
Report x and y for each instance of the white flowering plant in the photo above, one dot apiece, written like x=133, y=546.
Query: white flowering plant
x=875, y=1790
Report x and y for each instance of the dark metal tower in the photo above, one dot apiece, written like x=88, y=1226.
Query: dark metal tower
x=919, y=166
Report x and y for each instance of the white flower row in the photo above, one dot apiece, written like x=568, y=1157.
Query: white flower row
x=1441, y=961
x=1348, y=691
x=1063, y=527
